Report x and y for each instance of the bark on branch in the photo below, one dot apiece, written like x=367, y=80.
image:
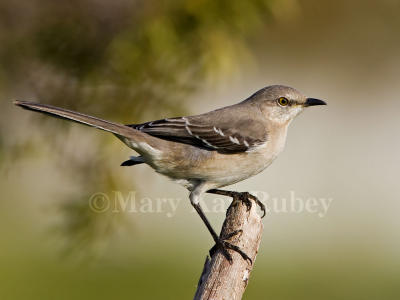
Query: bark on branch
x=220, y=279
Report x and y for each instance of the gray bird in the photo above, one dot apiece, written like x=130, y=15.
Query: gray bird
x=208, y=151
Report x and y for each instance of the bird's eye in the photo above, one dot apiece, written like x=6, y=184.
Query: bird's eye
x=282, y=101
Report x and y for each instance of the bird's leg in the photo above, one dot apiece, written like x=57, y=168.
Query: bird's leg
x=220, y=242
x=245, y=197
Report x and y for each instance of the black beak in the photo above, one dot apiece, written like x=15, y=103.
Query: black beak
x=313, y=102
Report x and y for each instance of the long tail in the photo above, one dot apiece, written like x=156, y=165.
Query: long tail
x=122, y=131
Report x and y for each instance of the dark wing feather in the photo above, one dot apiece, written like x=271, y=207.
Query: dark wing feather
x=198, y=131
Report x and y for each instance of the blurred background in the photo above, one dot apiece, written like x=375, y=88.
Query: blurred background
x=133, y=61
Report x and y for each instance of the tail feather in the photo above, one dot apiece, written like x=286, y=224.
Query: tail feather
x=133, y=160
x=118, y=129
x=72, y=115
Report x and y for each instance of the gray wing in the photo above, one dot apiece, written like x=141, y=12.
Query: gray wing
x=213, y=131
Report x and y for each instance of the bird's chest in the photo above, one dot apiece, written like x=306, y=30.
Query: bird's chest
x=277, y=143
x=229, y=169
x=267, y=152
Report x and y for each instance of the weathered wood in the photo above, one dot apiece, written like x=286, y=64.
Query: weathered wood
x=220, y=279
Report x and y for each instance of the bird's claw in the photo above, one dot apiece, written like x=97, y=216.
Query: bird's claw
x=246, y=198
x=259, y=203
x=223, y=245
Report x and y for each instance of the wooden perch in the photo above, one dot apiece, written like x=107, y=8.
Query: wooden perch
x=220, y=279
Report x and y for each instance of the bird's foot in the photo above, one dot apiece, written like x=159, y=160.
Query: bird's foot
x=245, y=197
x=222, y=244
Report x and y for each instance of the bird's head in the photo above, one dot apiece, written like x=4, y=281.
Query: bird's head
x=281, y=104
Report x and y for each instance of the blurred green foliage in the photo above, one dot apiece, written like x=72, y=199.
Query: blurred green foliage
x=145, y=52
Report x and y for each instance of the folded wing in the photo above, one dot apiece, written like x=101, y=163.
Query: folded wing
x=218, y=134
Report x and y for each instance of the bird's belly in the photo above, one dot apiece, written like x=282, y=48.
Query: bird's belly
x=218, y=169
x=233, y=170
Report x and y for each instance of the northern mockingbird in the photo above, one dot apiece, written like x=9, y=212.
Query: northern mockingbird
x=208, y=151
